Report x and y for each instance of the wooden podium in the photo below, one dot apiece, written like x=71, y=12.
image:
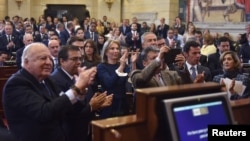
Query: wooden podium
x=5, y=73
x=144, y=125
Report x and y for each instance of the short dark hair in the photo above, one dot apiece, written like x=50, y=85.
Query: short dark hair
x=63, y=52
x=74, y=39
x=223, y=39
x=145, y=52
x=190, y=44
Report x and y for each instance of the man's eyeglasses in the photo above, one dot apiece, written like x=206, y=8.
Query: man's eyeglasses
x=75, y=59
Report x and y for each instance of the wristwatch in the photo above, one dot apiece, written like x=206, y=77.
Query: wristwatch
x=77, y=90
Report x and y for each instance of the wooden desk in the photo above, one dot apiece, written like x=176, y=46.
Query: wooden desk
x=241, y=111
x=5, y=73
x=144, y=125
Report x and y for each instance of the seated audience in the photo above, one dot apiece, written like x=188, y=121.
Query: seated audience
x=231, y=66
x=214, y=59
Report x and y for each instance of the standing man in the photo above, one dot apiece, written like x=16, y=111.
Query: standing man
x=124, y=28
x=76, y=124
x=162, y=29
x=27, y=39
x=54, y=47
x=214, y=59
x=66, y=33
x=37, y=113
x=133, y=38
x=91, y=33
x=9, y=42
x=192, y=71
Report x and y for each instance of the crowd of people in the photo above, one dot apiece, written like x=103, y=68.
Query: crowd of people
x=71, y=73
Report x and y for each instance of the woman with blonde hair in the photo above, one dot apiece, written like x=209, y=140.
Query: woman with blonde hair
x=112, y=74
x=99, y=27
x=208, y=45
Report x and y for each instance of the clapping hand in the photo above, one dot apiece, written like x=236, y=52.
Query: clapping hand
x=200, y=78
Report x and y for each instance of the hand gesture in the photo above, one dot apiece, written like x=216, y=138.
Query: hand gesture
x=97, y=100
x=134, y=56
x=200, y=78
x=85, y=78
x=180, y=60
x=231, y=87
x=163, y=51
x=108, y=101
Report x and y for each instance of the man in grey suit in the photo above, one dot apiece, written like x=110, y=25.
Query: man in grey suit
x=154, y=73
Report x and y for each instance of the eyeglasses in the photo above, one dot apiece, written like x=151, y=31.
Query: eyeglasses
x=75, y=59
x=161, y=44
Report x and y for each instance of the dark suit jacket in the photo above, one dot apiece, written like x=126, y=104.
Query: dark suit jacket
x=186, y=77
x=31, y=113
x=87, y=36
x=4, y=42
x=162, y=32
x=75, y=123
x=145, y=78
x=64, y=36
x=39, y=38
x=127, y=30
x=245, y=52
x=132, y=43
x=181, y=29
x=19, y=54
x=214, y=64
x=138, y=27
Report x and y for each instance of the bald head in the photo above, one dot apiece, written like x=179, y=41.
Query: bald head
x=54, y=47
x=27, y=39
x=36, y=59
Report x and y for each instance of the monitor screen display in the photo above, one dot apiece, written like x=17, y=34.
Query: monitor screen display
x=189, y=117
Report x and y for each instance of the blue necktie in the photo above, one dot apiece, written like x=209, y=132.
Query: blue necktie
x=193, y=73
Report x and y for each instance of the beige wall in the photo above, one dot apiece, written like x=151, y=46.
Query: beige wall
x=97, y=8
x=164, y=8
x=3, y=8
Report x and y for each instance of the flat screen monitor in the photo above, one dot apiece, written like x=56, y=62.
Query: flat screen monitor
x=187, y=118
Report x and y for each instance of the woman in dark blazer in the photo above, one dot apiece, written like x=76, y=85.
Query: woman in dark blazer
x=231, y=66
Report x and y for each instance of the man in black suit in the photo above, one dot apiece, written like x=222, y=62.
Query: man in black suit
x=66, y=33
x=91, y=33
x=76, y=124
x=138, y=25
x=42, y=36
x=162, y=29
x=124, y=28
x=214, y=59
x=54, y=46
x=33, y=105
x=9, y=42
x=192, y=72
x=27, y=39
x=133, y=38
x=5, y=134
